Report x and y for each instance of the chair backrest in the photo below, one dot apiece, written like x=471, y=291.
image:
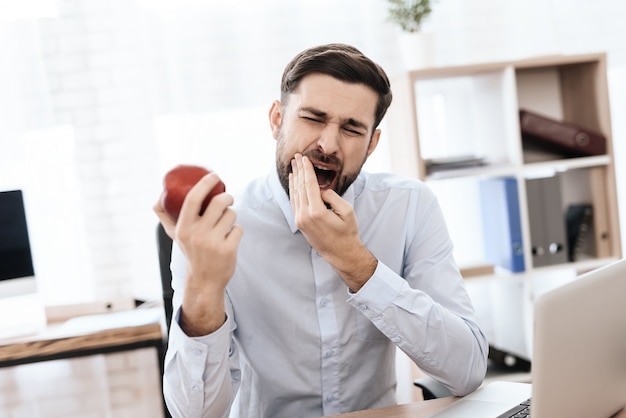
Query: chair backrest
x=164, y=245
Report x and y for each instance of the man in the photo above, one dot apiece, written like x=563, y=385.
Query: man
x=300, y=315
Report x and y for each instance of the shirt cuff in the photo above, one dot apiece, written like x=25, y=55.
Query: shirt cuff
x=211, y=346
x=379, y=291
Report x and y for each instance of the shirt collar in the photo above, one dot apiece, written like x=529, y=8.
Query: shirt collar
x=282, y=199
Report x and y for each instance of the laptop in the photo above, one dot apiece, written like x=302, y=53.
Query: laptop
x=579, y=354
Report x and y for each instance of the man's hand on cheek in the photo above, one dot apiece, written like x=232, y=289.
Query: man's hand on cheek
x=304, y=191
x=323, y=228
x=334, y=232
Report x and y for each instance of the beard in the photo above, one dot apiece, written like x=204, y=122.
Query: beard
x=283, y=167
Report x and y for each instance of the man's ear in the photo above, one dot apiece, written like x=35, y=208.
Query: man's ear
x=276, y=117
x=373, y=142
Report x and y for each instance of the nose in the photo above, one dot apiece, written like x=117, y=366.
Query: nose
x=328, y=141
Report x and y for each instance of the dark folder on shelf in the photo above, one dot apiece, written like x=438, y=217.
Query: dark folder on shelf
x=501, y=223
x=547, y=221
x=566, y=138
x=578, y=220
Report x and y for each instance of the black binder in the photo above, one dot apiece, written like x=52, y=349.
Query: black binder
x=547, y=221
x=579, y=222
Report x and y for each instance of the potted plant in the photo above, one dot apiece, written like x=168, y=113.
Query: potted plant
x=415, y=44
x=409, y=14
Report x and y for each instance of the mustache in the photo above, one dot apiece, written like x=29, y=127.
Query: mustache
x=317, y=155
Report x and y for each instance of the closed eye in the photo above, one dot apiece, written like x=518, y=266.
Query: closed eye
x=310, y=119
x=353, y=132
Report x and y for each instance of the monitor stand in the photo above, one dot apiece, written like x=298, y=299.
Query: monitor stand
x=21, y=316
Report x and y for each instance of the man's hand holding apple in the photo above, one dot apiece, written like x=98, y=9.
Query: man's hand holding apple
x=209, y=238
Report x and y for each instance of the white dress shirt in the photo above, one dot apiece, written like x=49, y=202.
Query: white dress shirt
x=297, y=343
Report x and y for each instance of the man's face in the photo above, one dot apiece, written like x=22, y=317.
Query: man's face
x=329, y=121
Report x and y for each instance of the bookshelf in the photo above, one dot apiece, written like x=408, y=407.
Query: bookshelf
x=469, y=115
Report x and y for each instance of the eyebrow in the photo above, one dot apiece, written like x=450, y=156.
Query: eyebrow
x=324, y=115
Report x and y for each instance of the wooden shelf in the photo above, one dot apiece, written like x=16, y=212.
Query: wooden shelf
x=473, y=110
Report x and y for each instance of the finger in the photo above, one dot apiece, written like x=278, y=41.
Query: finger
x=298, y=183
x=336, y=202
x=234, y=235
x=292, y=193
x=192, y=203
x=226, y=222
x=310, y=184
x=217, y=209
x=302, y=180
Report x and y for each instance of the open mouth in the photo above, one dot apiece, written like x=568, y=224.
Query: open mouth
x=325, y=176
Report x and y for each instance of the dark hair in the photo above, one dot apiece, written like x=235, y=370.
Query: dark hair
x=343, y=62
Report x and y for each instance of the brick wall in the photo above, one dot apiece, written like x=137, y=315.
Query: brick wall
x=94, y=64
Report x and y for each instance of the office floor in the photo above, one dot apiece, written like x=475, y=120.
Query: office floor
x=117, y=385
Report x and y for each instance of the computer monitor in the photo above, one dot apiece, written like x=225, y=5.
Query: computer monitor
x=17, y=275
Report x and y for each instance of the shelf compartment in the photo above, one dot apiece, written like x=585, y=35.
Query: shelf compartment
x=467, y=115
x=549, y=199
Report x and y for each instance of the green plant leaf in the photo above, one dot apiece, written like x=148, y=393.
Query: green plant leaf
x=409, y=14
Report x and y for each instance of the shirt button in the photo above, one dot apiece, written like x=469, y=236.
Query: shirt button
x=197, y=352
x=323, y=302
x=363, y=307
x=195, y=388
x=329, y=353
x=330, y=398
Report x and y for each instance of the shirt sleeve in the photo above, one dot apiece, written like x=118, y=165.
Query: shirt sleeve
x=427, y=312
x=201, y=374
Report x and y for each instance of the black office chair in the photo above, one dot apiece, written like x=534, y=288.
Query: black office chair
x=432, y=389
x=164, y=245
x=499, y=362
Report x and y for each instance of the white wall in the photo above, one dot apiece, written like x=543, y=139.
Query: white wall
x=111, y=94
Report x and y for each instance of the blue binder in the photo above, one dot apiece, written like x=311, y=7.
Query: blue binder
x=501, y=223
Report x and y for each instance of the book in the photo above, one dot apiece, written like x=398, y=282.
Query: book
x=564, y=138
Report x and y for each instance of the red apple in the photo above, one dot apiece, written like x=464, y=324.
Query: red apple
x=177, y=183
